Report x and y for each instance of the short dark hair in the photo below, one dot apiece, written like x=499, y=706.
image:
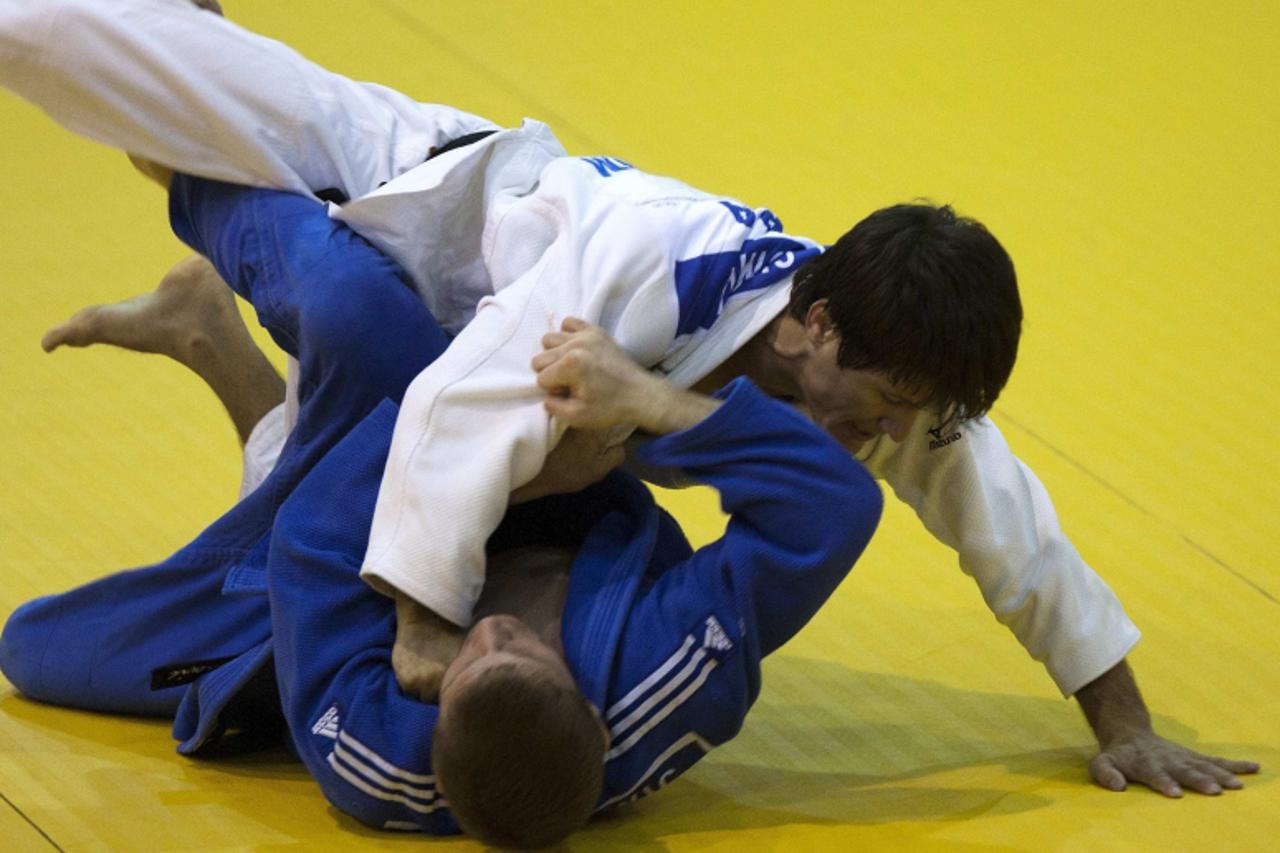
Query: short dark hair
x=520, y=759
x=926, y=296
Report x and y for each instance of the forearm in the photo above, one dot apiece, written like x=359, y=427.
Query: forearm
x=470, y=431
x=1113, y=706
x=667, y=409
x=801, y=509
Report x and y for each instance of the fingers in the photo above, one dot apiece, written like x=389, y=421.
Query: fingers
x=1198, y=780
x=1168, y=770
x=1224, y=778
x=567, y=409
x=556, y=344
x=558, y=376
x=1105, y=773
x=1211, y=775
x=545, y=359
x=551, y=340
x=1223, y=771
x=1233, y=766
x=1158, y=780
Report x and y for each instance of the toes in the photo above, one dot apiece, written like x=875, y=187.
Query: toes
x=76, y=332
x=53, y=339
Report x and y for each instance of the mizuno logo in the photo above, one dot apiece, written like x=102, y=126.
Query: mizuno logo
x=939, y=440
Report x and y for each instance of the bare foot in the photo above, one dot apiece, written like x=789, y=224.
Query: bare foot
x=425, y=646
x=191, y=309
x=192, y=318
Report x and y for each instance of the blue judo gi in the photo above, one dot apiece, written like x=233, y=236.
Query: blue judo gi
x=264, y=620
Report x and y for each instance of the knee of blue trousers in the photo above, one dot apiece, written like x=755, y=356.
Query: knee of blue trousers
x=370, y=325
x=23, y=643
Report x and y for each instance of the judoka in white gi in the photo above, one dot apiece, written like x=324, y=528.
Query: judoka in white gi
x=506, y=236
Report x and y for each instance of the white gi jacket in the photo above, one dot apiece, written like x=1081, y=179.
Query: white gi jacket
x=514, y=227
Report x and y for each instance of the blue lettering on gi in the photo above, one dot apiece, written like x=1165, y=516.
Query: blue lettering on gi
x=607, y=166
x=748, y=217
x=705, y=283
x=770, y=222
x=745, y=215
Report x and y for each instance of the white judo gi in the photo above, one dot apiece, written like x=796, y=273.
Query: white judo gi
x=504, y=238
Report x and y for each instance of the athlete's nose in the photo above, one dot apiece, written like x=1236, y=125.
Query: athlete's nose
x=493, y=632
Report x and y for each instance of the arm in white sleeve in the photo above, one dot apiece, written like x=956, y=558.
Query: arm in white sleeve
x=975, y=496
x=472, y=427
x=199, y=94
x=470, y=430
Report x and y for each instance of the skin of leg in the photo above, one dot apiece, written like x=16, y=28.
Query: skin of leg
x=190, y=317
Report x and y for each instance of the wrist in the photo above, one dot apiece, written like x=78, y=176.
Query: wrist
x=675, y=409
x=1114, y=707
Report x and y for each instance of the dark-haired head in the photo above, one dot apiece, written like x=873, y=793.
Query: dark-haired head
x=928, y=298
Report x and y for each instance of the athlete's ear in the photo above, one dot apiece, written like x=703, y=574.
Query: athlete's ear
x=818, y=326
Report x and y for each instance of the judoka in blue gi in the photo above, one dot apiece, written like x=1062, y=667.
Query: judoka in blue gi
x=263, y=622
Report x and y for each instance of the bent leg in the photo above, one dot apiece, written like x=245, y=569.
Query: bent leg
x=191, y=317
x=97, y=646
x=346, y=311
x=194, y=92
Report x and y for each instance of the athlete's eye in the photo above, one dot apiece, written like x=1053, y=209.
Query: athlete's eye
x=910, y=404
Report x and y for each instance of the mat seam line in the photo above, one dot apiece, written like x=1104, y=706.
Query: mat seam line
x=33, y=824
x=1080, y=466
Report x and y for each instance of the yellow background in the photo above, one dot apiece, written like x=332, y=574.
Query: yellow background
x=1126, y=155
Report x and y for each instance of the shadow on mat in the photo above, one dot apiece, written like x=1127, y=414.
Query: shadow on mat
x=825, y=744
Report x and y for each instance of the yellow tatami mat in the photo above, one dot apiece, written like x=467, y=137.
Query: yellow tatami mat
x=1126, y=156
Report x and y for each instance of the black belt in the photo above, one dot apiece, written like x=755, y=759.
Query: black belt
x=337, y=196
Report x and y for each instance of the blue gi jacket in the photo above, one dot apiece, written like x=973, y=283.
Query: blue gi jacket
x=666, y=641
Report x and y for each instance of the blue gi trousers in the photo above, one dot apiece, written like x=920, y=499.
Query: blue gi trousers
x=131, y=642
